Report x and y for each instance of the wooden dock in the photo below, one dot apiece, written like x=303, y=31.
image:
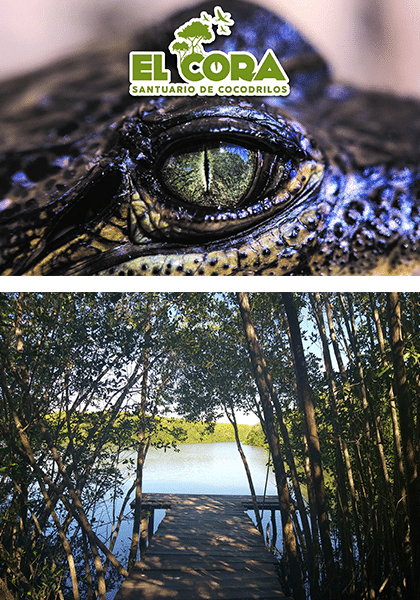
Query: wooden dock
x=206, y=548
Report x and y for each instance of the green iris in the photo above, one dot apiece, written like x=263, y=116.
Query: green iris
x=216, y=176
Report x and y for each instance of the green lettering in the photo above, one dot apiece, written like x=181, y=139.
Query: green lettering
x=186, y=65
x=209, y=66
x=148, y=66
x=242, y=66
x=270, y=68
x=141, y=66
x=159, y=71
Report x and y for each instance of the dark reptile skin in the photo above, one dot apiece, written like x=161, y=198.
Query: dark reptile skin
x=79, y=164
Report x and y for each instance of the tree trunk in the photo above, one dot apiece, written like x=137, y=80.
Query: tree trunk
x=310, y=533
x=4, y=591
x=400, y=493
x=232, y=418
x=367, y=480
x=405, y=406
x=141, y=449
x=259, y=367
x=313, y=443
x=346, y=453
x=345, y=530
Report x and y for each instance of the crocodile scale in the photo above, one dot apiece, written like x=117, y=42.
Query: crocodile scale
x=81, y=164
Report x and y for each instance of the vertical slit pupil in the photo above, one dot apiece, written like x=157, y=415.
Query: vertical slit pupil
x=217, y=175
x=207, y=170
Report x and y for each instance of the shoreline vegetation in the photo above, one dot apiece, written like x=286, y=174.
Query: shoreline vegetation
x=167, y=431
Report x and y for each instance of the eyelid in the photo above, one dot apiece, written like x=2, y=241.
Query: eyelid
x=275, y=135
x=190, y=143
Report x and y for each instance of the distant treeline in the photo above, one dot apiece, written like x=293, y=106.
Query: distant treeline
x=199, y=432
x=166, y=431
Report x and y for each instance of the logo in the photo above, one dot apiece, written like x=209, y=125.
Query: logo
x=206, y=73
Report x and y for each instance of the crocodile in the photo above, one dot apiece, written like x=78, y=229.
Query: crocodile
x=95, y=181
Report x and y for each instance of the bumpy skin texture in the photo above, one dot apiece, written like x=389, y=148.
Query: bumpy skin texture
x=80, y=161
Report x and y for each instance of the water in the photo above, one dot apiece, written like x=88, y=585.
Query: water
x=206, y=469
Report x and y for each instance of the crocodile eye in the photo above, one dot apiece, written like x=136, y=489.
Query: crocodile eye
x=216, y=173
x=219, y=175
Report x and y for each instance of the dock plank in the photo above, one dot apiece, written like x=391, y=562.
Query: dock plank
x=206, y=548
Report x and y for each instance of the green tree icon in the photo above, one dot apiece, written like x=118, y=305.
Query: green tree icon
x=196, y=32
x=179, y=47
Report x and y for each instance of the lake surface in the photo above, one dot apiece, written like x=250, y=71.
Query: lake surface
x=206, y=469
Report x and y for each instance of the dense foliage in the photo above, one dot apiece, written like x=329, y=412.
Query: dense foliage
x=333, y=379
